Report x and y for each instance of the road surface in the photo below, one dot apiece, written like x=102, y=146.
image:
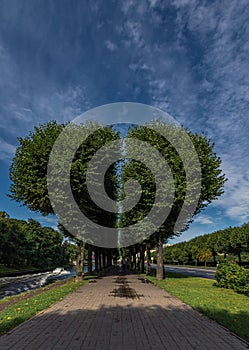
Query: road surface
x=190, y=271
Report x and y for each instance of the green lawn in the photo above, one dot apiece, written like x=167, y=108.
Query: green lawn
x=25, y=309
x=4, y=268
x=222, y=305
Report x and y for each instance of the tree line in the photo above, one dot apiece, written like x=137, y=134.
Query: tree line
x=27, y=243
x=28, y=174
x=231, y=243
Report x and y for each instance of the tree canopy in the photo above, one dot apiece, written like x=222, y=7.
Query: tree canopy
x=231, y=242
x=27, y=243
x=212, y=179
x=186, y=194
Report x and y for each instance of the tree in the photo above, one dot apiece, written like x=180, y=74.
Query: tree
x=4, y=215
x=180, y=252
x=28, y=172
x=205, y=255
x=69, y=251
x=212, y=245
x=223, y=242
x=29, y=244
x=212, y=181
x=239, y=241
x=13, y=243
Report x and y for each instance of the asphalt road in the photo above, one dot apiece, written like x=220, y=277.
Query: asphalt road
x=190, y=271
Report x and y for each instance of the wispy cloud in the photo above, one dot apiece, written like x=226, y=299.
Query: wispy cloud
x=110, y=45
x=61, y=105
x=6, y=150
x=50, y=221
x=204, y=220
x=201, y=77
x=187, y=57
x=235, y=200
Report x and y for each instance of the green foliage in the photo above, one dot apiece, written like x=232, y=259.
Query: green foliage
x=212, y=179
x=211, y=187
x=204, y=255
x=229, y=244
x=180, y=253
x=233, y=276
x=28, y=174
x=70, y=251
x=28, y=171
x=29, y=244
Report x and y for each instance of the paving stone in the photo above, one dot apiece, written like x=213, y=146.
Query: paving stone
x=120, y=312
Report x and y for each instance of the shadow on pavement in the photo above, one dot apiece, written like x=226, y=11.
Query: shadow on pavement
x=122, y=327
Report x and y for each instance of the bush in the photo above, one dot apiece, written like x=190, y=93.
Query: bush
x=233, y=276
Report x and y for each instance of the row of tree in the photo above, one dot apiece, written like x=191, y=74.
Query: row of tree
x=212, y=181
x=28, y=244
x=28, y=174
x=231, y=242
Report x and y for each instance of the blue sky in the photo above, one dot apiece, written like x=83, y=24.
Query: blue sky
x=187, y=57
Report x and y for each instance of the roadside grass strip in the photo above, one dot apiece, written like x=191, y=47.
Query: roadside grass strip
x=23, y=310
x=224, y=306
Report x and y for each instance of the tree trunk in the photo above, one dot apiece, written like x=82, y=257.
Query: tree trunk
x=104, y=261
x=139, y=262
x=134, y=262
x=159, y=267
x=109, y=260
x=89, y=262
x=214, y=257
x=100, y=261
x=239, y=256
x=96, y=258
x=80, y=261
x=148, y=259
x=142, y=258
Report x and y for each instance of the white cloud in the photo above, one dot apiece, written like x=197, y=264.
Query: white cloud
x=235, y=200
x=220, y=31
x=7, y=150
x=128, y=5
x=63, y=105
x=153, y=3
x=110, y=45
x=60, y=105
x=50, y=221
x=193, y=65
x=135, y=32
x=8, y=69
x=203, y=220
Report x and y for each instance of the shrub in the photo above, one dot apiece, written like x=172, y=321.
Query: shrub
x=231, y=275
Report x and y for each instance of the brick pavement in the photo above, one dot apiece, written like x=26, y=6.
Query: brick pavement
x=120, y=312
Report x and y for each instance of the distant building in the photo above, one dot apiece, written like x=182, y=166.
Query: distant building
x=167, y=245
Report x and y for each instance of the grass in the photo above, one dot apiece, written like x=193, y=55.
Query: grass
x=26, y=308
x=5, y=269
x=224, y=306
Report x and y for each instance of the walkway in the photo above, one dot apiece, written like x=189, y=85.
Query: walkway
x=120, y=312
